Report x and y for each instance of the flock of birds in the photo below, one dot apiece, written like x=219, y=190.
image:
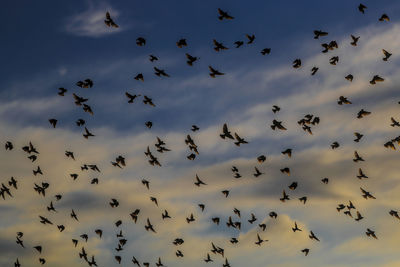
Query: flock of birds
x=307, y=123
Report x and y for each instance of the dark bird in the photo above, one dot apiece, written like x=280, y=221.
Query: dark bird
x=362, y=113
x=153, y=199
x=148, y=101
x=376, y=79
x=325, y=180
x=335, y=145
x=259, y=240
x=293, y=186
x=87, y=134
x=140, y=41
x=190, y=59
x=394, y=214
x=44, y=220
x=384, y=17
x=17, y=264
x=153, y=58
x=305, y=251
x=314, y=70
x=251, y=38
x=51, y=207
x=362, y=8
x=214, y=72
x=334, y=60
x=349, y=77
x=139, y=77
x=394, y=122
x=319, y=33
x=275, y=108
x=223, y=15
x=225, y=193
x=303, y=199
x=38, y=248
x=371, y=233
x=261, y=158
x=225, y=132
x=257, y=173
x=366, y=194
x=354, y=40
x=265, y=51
x=165, y=215
x=145, y=183
x=80, y=122
x=358, y=137
x=361, y=174
x=131, y=97
x=343, y=100
x=149, y=226
x=194, y=128
x=284, y=196
x=285, y=170
x=181, y=43
x=296, y=63
x=9, y=145
x=273, y=214
x=199, y=182
x=252, y=219
x=357, y=157
x=312, y=236
x=277, y=125
x=359, y=217
x=62, y=91
x=219, y=46
x=296, y=228
x=239, y=140
x=238, y=43
x=190, y=218
x=99, y=232
x=287, y=152
x=53, y=122
x=109, y=21
x=387, y=55
x=114, y=203
x=160, y=72
x=73, y=215
x=201, y=206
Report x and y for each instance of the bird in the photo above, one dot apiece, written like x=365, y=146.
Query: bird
x=277, y=125
x=146, y=183
x=131, y=97
x=153, y=58
x=285, y=170
x=239, y=140
x=357, y=157
x=225, y=132
x=319, y=33
x=287, y=152
x=314, y=70
x=259, y=240
x=349, y=77
x=201, y=206
x=251, y=38
x=181, y=43
x=114, y=203
x=149, y=226
x=335, y=145
x=140, y=41
x=371, y=233
x=305, y=251
x=160, y=72
x=53, y=122
x=325, y=180
x=284, y=196
x=275, y=108
x=252, y=219
x=334, y=60
x=303, y=199
x=225, y=193
x=73, y=215
x=223, y=15
x=387, y=55
x=312, y=236
x=87, y=134
x=296, y=63
x=238, y=43
x=296, y=228
x=148, y=124
x=293, y=186
x=361, y=174
x=62, y=91
x=394, y=122
x=362, y=113
x=359, y=217
x=273, y=214
x=354, y=40
x=265, y=51
x=376, y=79
x=109, y=21
x=165, y=215
x=218, y=46
x=394, y=214
x=199, y=182
x=194, y=128
x=366, y=194
x=214, y=72
x=190, y=59
x=384, y=17
x=139, y=77
x=358, y=137
x=80, y=122
x=343, y=100
x=362, y=8
x=148, y=101
x=153, y=199
x=190, y=218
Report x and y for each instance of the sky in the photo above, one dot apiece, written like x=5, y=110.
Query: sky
x=51, y=44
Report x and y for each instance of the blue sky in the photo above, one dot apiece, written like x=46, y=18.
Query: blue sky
x=50, y=44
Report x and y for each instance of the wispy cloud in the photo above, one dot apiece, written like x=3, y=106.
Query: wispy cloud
x=91, y=21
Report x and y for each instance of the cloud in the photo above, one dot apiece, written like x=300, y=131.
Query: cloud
x=91, y=22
